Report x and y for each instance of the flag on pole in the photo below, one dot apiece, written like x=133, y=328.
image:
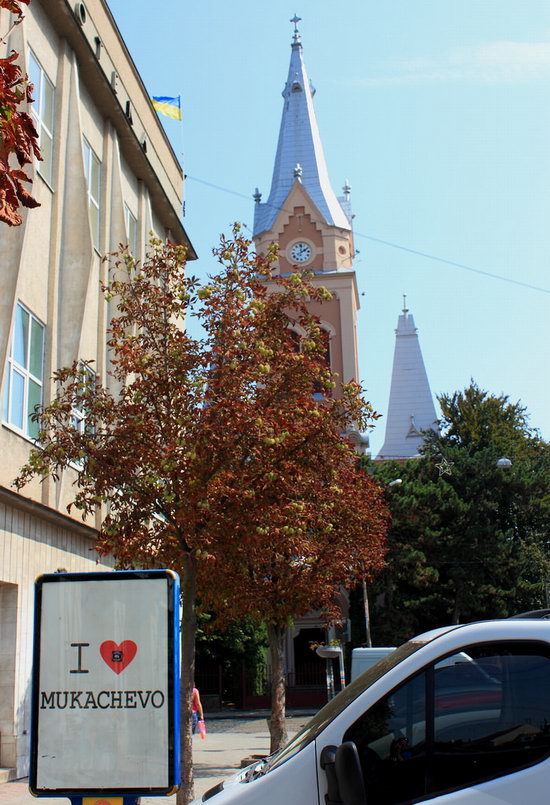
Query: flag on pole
x=170, y=107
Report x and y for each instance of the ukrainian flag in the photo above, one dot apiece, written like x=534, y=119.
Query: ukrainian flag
x=170, y=107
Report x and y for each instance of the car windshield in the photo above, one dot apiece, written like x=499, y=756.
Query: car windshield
x=333, y=708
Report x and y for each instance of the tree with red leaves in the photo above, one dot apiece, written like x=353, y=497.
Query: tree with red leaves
x=18, y=136
x=312, y=523
x=215, y=459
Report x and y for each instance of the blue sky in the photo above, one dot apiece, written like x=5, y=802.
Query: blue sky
x=437, y=112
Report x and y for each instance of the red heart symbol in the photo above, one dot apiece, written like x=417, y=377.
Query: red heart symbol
x=117, y=656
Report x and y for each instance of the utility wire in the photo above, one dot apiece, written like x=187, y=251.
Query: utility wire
x=453, y=264
x=391, y=244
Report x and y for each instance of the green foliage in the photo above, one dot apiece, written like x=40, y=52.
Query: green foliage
x=468, y=540
x=241, y=642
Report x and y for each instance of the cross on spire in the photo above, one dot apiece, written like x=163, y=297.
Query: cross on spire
x=295, y=20
x=405, y=308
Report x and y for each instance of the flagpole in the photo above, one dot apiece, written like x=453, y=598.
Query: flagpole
x=167, y=106
x=182, y=143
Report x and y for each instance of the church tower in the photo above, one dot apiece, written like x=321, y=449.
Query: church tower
x=311, y=225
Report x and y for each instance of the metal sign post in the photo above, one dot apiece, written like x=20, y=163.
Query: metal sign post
x=105, y=698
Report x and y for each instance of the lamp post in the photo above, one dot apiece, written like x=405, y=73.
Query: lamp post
x=367, y=612
x=330, y=653
x=395, y=482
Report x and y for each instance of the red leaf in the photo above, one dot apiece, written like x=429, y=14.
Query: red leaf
x=14, y=6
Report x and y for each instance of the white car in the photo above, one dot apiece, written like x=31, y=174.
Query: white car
x=458, y=715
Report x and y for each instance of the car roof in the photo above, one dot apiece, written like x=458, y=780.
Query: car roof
x=531, y=615
x=426, y=637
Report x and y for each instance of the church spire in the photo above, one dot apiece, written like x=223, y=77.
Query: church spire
x=411, y=409
x=299, y=145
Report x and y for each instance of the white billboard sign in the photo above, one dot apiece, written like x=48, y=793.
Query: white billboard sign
x=105, y=683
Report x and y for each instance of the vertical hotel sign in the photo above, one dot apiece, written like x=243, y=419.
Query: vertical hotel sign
x=105, y=705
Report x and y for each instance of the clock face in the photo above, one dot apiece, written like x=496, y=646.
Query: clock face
x=300, y=252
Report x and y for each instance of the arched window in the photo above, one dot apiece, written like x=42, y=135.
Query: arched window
x=325, y=335
x=296, y=339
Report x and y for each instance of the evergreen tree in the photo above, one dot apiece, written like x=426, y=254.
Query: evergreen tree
x=469, y=539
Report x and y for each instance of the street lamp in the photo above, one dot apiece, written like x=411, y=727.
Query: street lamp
x=395, y=482
x=504, y=463
x=330, y=653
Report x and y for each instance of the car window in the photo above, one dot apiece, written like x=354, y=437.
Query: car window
x=335, y=706
x=476, y=715
x=391, y=739
x=494, y=722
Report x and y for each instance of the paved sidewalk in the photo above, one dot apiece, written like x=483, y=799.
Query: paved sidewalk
x=219, y=756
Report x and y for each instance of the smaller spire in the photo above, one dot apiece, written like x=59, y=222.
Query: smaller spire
x=298, y=170
x=410, y=409
x=257, y=196
x=296, y=39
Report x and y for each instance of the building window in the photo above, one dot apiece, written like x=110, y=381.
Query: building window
x=80, y=419
x=92, y=169
x=23, y=385
x=42, y=110
x=131, y=230
x=325, y=335
x=79, y=415
x=319, y=391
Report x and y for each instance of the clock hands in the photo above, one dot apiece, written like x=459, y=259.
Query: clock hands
x=301, y=252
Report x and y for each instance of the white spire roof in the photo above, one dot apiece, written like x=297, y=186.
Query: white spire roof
x=299, y=151
x=411, y=409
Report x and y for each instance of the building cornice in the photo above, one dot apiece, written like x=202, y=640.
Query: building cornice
x=39, y=510
x=101, y=68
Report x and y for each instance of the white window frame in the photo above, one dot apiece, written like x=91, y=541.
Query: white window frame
x=45, y=169
x=93, y=201
x=130, y=219
x=79, y=415
x=14, y=367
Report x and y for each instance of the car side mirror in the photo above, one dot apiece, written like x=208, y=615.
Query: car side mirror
x=350, y=775
x=328, y=760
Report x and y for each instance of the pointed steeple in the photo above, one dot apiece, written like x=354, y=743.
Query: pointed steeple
x=299, y=146
x=411, y=409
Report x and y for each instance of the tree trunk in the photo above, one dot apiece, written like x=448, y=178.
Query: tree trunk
x=277, y=724
x=188, y=630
